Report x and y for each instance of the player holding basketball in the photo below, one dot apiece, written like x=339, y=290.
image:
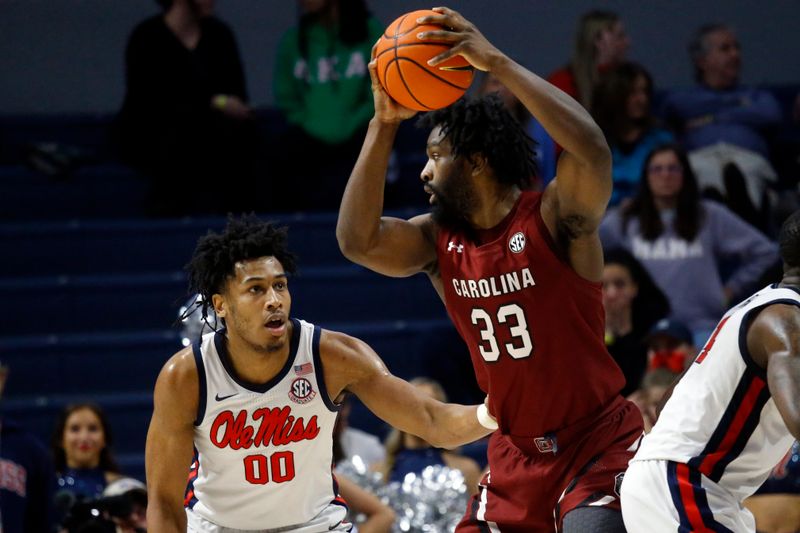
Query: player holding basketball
x=730, y=419
x=257, y=402
x=519, y=273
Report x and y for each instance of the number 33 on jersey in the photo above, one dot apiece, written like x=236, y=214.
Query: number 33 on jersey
x=529, y=320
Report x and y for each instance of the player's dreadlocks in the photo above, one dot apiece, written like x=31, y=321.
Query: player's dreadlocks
x=243, y=239
x=789, y=240
x=483, y=125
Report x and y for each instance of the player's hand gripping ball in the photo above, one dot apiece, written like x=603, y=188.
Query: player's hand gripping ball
x=403, y=70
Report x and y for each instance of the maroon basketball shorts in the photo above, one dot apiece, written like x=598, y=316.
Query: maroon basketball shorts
x=534, y=482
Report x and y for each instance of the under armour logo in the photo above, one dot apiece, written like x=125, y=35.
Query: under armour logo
x=457, y=247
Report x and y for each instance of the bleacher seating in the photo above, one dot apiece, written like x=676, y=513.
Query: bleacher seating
x=94, y=287
x=104, y=336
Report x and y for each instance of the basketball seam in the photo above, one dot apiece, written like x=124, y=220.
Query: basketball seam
x=405, y=32
x=421, y=43
x=408, y=89
x=400, y=23
x=397, y=59
x=443, y=80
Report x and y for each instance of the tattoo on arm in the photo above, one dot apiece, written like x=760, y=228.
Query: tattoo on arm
x=570, y=228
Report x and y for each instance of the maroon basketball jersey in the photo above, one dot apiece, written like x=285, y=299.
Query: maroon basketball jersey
x=534, y=327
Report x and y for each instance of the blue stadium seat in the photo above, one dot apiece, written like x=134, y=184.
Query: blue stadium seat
x=118, y=372
x=105, y=363
x=75, y=247
x=67, y=304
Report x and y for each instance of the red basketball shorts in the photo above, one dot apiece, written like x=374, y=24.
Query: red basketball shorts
x=530, y=487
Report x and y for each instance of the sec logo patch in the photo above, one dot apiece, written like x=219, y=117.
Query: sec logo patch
x=517, y=242
x=301, y=391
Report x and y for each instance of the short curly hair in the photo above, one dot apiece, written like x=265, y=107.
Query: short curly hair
x=216, y=254
x=789, y=240
x=484, y=126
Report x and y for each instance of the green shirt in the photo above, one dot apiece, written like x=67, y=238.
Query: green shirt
x=328, y=93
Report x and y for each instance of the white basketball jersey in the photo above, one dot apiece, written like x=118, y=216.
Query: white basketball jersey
x=263, y=454
x=721, y=419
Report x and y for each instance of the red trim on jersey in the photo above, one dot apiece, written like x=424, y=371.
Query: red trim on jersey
x=711, y=341
x=548, y=238
x=735, y=428
x=190, y=483
x=689, y=503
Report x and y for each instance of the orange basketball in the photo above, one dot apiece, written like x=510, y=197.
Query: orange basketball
x=403, y=70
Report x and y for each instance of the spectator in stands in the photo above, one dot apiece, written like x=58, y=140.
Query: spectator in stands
x=683, y=241
x=723, y=122
x=670, y=345
x=600, y=43
x=26, y=474
x=654, y=384
x=377, y=516
x=185, y=122
x=82, y=454
x=322, y=86
x=126, y=499
x=670, y=348
x=350, y=442
x=776, y=505
x=406, y=453
x=633, y=304
x=621, y=105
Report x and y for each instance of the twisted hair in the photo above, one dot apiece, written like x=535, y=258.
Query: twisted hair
x=789, y=239
x=484, y=126
x=244, y=238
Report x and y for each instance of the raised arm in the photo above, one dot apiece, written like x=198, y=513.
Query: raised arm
x=168, y=453
x=350, y=364
x=386, y=245
x=584, y=173
x=774, y=342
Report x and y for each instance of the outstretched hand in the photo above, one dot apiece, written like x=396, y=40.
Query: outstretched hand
x=386, y=109
x=464, y=37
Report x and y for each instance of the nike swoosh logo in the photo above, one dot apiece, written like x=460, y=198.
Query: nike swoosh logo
x=220, y=398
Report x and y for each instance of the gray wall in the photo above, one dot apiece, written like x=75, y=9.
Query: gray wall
x=67, y=55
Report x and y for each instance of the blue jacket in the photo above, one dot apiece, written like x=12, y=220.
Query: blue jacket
x=26, y=481
x=736, y=116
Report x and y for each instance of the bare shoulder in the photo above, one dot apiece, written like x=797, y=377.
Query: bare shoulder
x=575, y=232
x=180, y=370
x=430, y=230
x=775, y=329
x=347, y=360
x=177, y=392
x=426, y=224
x=563, y=224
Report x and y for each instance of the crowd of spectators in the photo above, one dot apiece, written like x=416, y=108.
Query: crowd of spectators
x=690, y=230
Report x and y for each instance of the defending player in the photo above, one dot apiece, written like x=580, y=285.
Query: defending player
x=519, y=273
x=729, y=420
x=257, y=402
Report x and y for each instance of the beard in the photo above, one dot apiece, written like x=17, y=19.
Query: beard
x=243, y=329
x=455, y=200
